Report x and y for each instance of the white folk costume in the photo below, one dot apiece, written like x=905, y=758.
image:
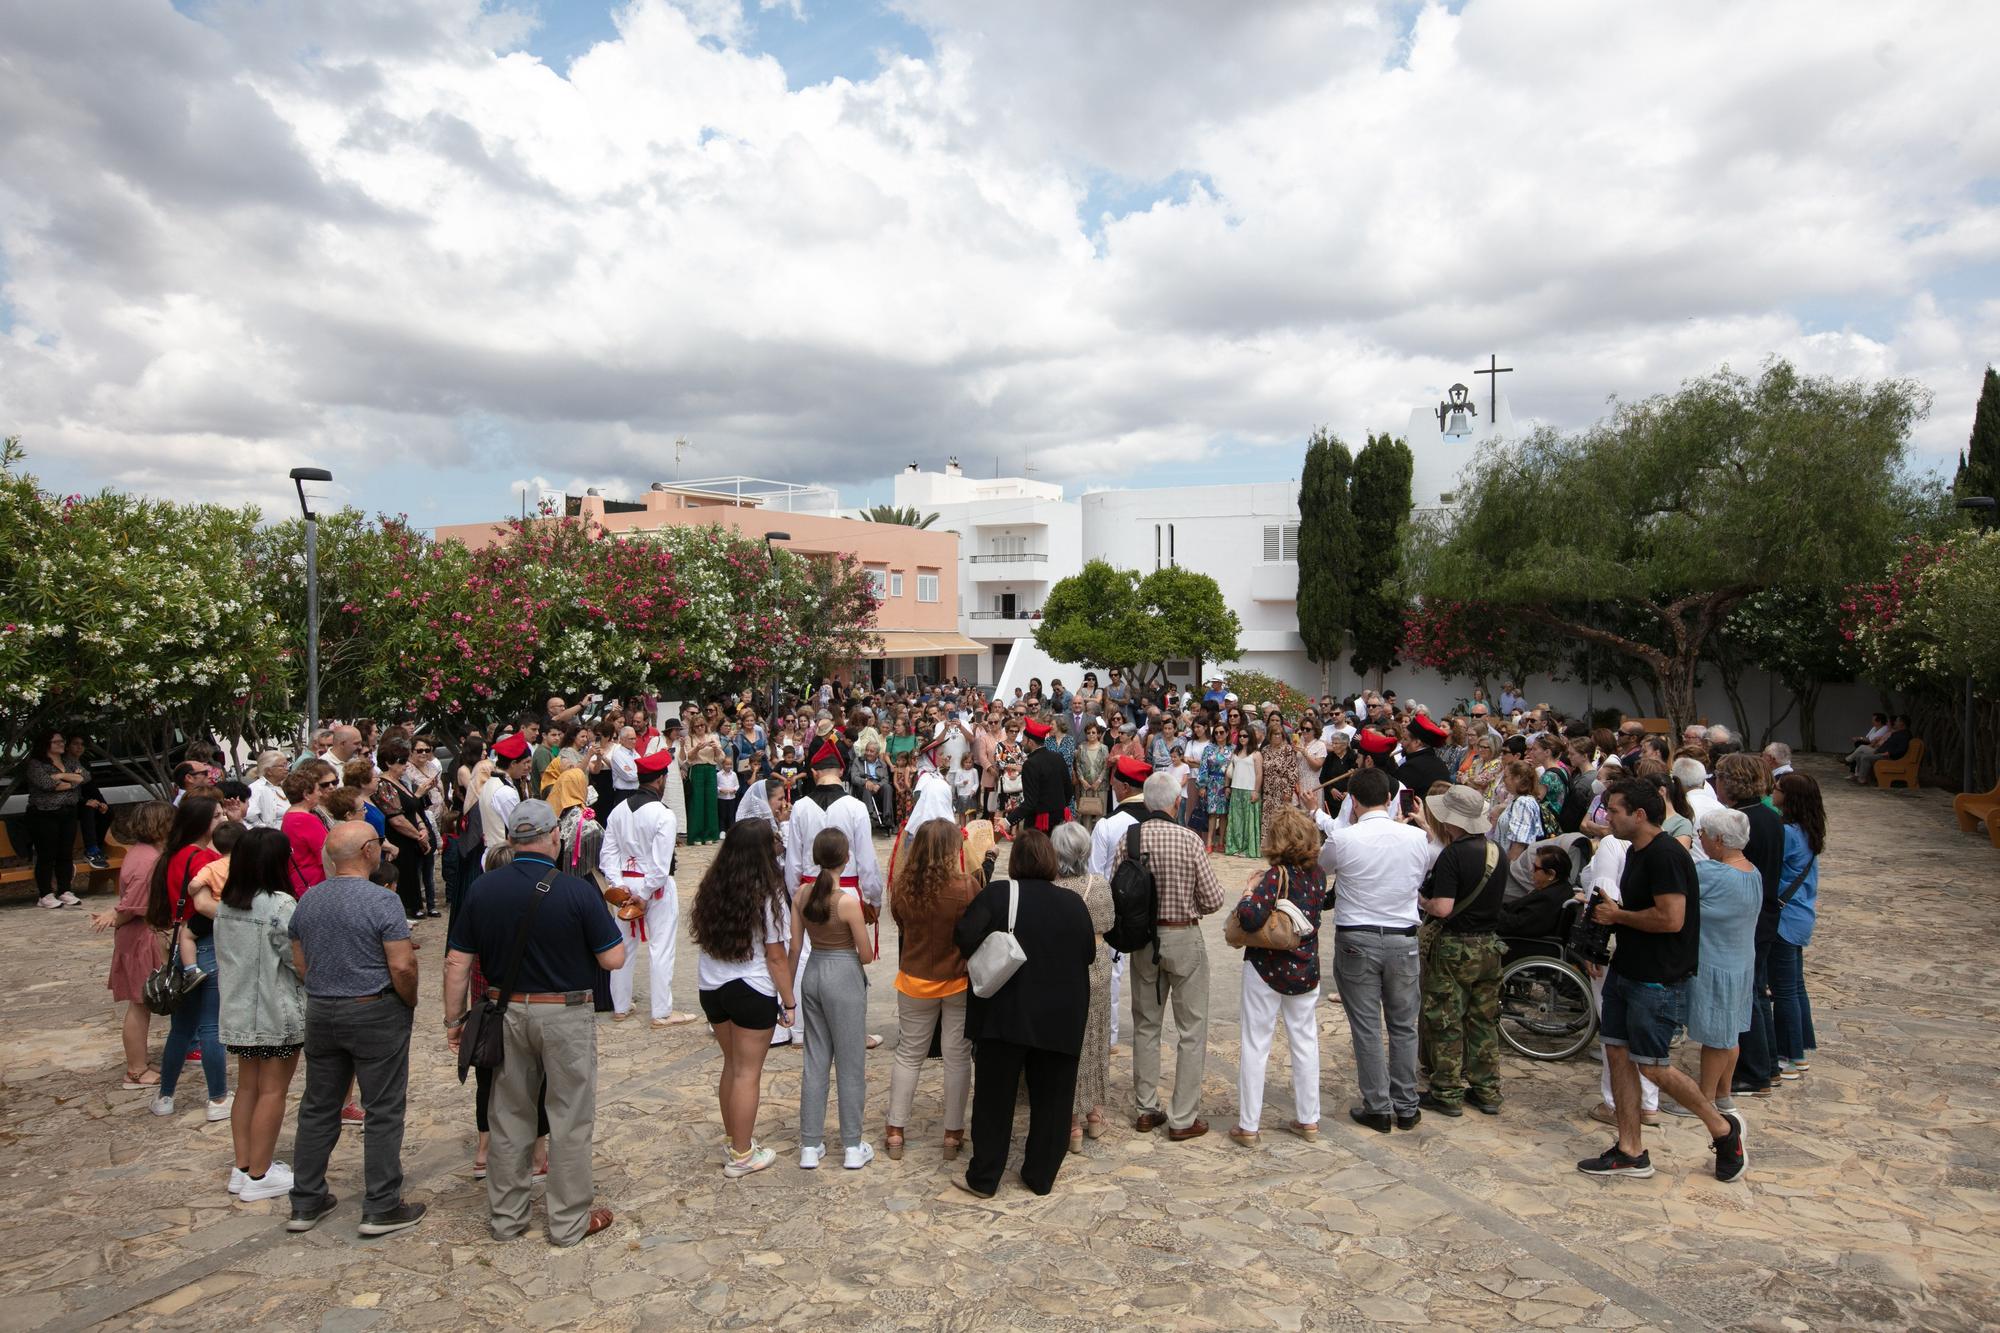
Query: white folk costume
x=1104, y=843
x=637, y=854
x=823, y=806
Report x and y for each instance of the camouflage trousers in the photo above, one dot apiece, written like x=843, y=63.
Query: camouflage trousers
x=1461, y=1018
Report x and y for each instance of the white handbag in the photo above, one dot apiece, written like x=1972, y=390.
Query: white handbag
x=999, y=956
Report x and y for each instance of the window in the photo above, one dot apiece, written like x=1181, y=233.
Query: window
x=1010, y=546
x=927, y=587
x=1281, y=543
x=878, y=583
x=896, y=584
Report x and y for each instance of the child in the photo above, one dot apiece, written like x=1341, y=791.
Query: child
x=209, y=880
x=1010, y=781
x=727, y=790
x=903, y=776
x=965, y=788
x=833, y=1002
x=1181, y=774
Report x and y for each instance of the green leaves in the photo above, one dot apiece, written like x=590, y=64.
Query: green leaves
x=1326, y=546
x=1104, y=616
x=1380, y=498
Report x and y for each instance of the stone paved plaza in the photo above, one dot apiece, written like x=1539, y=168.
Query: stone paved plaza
x=1873, y=1197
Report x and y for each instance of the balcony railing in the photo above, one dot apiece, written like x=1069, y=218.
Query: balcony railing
x=1018, y=557
x=1002, y=615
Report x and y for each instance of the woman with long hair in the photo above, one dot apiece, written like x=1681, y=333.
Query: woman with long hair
x=833, y=998
x=135, y=947
x=1799, y=801
x=263, y=1005
x=1246, y=825
x=187, y=849
x=741, y=924
x=55, y=790
x=704, y=753
x=931, y=891
x=403, y=818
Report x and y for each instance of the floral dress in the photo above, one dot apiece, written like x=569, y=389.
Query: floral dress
x=1281, y=776
x=1213, y=778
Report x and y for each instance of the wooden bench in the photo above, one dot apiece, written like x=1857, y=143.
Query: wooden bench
x=1972, y=807
x=1888, y=772
x=85, y=873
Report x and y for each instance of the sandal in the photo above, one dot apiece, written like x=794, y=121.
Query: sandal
x=892, y=1143
x=149, y=1078
x=600, y=1218
x=1093, y=1125
x=954, y=1139
x=1249, y=1138
x=1310, y=1133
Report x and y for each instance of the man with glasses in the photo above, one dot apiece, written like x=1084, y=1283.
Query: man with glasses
x=1482, y=721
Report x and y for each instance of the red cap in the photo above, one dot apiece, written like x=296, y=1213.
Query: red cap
x=512, y=748
x=1131, y=771
x=827, y=756
x=1424, y=726
x=659, y=761
x=1038, y=730
x=1374, y=742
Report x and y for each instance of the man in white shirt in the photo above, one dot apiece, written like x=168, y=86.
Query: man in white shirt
x=624, y=761
x=512, y=758
x=1380, y=864
x=638, y=855
x=1128, y=776
x=1778, y=758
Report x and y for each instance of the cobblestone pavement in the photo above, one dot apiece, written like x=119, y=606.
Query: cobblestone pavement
x=1873, y=1198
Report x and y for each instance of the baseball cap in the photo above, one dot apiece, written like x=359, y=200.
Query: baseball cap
x=531, y=819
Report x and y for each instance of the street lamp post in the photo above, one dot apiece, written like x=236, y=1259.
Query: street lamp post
x=771, y=554
x=300, y=476
x=1983, y=506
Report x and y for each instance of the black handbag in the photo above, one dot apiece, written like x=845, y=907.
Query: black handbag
x=483, y=1044
x=167, y=986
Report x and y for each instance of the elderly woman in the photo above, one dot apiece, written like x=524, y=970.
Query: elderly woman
x=267, y=791
x=1281, y=983
x=1718, y=998
x=1480, y=769
x=1072, y=847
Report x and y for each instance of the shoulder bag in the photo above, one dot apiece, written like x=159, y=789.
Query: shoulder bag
x=999, y=956
x=1278, y=932
x=167, y=986
x=483, y=1044
x=1790, y=889
x=1433, y=927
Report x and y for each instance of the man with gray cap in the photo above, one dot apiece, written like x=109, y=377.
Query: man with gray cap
x=566, y=936
x=1461, y=975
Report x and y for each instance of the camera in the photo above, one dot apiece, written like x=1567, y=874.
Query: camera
x=1588, y=938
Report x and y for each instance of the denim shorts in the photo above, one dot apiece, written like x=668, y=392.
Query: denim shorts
x=1643, y=1017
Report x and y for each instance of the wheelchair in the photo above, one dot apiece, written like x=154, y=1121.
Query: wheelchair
x=1548, y=1010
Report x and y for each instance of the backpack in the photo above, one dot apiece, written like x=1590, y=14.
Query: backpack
x=1134, y=908
x=1576, y=804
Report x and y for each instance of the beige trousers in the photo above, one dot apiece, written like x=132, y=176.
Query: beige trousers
x=915, y=1021
x=1184, y=964
x=557, y=1042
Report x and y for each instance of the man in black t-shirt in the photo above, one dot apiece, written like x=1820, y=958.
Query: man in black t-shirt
x=1657, y=929
x=550, y=1022
x=1461, y=1013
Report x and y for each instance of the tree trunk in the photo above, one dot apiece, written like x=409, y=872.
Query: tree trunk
x=1809, y=717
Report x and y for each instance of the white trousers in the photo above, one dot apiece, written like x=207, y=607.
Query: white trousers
x=1262, y=1009
x=1117, y=978
x=1649, y=1091
x=663, y=919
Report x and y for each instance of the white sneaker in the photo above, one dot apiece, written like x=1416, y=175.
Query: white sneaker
x=48, y=900
x=163, y=1106
x=276, y=1183
x=220, y=1110
x=858, y=1156
x=809, y=1158
x=755, y=1160
x=69, y=899
x=238, y=1178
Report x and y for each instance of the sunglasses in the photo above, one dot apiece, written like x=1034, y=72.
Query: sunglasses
x=422, y=749
x=328, y=786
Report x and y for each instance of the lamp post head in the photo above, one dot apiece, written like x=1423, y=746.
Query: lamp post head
x=770, y=537
x=302, y=475
x=1982, y=505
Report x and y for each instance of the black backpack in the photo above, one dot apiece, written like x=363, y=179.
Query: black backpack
x=1134, y=922
x=1576, y=804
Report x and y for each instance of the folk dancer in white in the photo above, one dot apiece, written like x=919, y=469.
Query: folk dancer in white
x=637, y=855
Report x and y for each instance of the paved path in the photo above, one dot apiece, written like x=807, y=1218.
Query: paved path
x=1873, y=1199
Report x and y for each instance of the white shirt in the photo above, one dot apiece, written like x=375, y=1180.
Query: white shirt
x=1606, y=867
x=714, y=973
x=497, y=800
x=644, y=838
x=965, y=782
x=267, y=805
x=1380, y=863
x=1106, y=837
x=1701, y=800
x=624, y=769
x=848, y=815
x=425, y=773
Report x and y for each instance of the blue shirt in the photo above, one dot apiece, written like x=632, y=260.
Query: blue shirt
x=342, y=925
x=1796, y=917
x=572, y=926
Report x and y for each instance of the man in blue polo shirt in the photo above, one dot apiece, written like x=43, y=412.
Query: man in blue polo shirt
x=551, y=1027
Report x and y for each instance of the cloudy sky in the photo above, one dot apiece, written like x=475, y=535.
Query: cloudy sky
x=441, y=246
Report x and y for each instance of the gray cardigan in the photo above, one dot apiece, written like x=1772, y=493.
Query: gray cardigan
x=263, y=1000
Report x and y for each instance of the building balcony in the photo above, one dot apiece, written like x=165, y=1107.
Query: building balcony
x=994, y=627
x=1275, y=582
x=1016, y=558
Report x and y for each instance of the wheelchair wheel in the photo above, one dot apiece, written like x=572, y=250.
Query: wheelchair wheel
x=1546, y=1009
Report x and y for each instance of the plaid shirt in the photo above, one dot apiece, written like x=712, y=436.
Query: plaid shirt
x=1184, y=883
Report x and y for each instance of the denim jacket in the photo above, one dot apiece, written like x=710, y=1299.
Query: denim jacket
x=263, y=1000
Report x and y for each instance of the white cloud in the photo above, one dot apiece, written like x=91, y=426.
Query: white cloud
x=380, y=232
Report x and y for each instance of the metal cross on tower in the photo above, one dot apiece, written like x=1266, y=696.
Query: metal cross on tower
x=1496, y=370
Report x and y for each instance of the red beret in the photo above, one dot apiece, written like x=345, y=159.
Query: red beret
x=827, y=756
x=657, y=762
x=512, y=748
x=1424, y=726
x=1130, y=770
x=1374, y=742
x=1039, y=730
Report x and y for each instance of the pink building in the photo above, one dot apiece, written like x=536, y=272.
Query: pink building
x=915, y=571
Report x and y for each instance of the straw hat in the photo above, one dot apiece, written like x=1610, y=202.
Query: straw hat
x=1460, y=807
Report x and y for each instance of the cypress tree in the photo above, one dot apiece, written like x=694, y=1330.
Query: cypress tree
x=1380, y=498
x=1979, y=467
x=1326, y=544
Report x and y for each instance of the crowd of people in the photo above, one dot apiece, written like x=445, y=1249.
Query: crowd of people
x=280, y=901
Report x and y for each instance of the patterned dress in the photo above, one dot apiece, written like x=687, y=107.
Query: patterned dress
x=1213, y=778
x=1281, y=776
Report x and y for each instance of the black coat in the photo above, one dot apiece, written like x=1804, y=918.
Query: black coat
x=1044, y=1004
x=1044, y=787
x=1418, y=771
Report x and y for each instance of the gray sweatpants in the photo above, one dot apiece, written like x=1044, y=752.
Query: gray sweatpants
x=833, y=999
